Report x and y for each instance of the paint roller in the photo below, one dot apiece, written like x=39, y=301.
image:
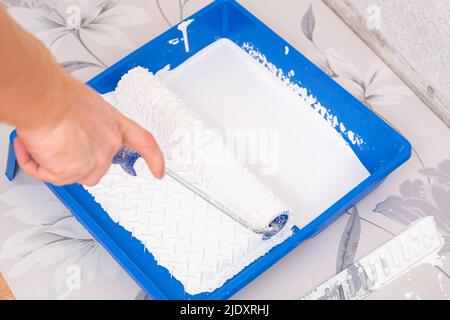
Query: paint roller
x=196, y=156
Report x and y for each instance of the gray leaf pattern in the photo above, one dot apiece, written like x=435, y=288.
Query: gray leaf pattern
x=440, y=174
x=371, y=89
x=20, y=3
x=141, y=296
x=181, y=15
x=349, y=241
x=421, y=198
x=72, y=66
x=309, y=23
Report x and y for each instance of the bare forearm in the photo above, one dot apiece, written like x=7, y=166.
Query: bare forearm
x=31, y=81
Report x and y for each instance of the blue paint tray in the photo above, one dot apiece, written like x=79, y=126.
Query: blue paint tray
x=383, y=149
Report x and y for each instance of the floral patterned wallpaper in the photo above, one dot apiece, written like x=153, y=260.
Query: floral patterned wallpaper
x=44, y=250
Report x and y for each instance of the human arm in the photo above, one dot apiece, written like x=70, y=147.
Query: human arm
x=66, y=132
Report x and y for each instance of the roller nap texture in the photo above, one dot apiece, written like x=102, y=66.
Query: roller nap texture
x=196, y=152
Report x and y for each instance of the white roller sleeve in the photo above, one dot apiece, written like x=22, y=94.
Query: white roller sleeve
x=193, y=151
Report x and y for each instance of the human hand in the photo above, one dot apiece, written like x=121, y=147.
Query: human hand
x=78, y=138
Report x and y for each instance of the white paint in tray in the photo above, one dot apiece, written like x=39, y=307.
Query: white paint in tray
x=228, y=89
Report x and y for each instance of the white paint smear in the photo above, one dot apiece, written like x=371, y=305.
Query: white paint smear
x=174, y=41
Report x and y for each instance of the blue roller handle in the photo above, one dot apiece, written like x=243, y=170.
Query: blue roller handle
x=126, y=158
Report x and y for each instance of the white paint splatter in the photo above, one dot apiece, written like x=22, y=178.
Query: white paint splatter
x=174, y=42
x=183, y=28
x=325, y=113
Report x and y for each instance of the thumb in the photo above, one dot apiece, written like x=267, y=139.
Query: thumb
x=143, y=142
